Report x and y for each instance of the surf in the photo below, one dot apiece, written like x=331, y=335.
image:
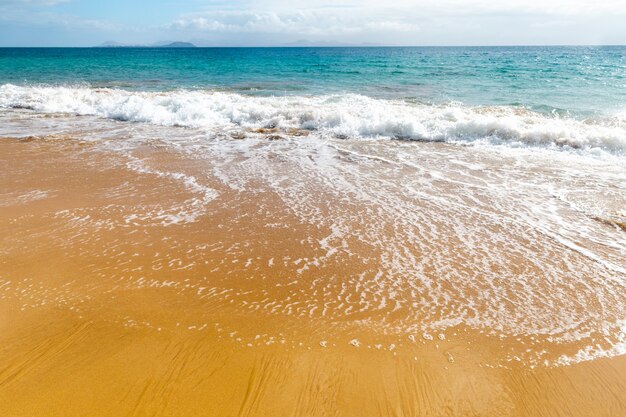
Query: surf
x=336, y=115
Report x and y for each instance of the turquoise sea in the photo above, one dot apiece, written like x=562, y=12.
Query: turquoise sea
x=498, y=94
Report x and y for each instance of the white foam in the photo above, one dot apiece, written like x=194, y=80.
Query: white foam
x=188, y=212
x=9, y=199
x=590, y=352
x=346, y=115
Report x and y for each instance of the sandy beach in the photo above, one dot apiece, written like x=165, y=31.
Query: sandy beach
x=140, y=283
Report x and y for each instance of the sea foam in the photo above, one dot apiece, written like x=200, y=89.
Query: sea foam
x=347, y=115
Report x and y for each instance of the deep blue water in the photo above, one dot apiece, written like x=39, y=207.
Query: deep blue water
x=577, y=80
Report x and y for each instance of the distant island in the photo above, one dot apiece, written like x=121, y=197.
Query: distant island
x=178, y=45
x=113, y=44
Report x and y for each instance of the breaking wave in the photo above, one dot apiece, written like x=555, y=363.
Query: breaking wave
x=348, y=115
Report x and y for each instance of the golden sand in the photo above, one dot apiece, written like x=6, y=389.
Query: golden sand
x=110, y=306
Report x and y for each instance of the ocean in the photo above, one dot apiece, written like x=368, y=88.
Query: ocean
x=501, y=94
x=456, y=213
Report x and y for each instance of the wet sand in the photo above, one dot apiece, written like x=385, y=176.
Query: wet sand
x=128, y=291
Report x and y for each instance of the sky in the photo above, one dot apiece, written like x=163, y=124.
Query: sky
x=312, y=22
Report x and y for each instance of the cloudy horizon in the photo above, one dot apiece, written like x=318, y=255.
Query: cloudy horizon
x=272, y=23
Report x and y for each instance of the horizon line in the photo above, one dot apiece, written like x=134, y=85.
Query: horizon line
x=312, y=46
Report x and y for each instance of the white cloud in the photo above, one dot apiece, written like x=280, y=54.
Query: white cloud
x=410, y=21
x=322, y=21
x=563, y=7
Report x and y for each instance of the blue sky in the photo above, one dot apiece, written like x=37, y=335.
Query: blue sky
x=273, y=22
